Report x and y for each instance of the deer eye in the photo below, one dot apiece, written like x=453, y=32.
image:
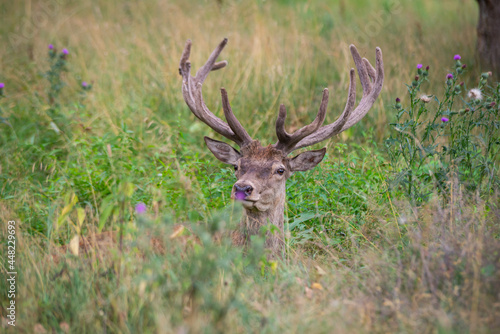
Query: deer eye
x=235, y=168
x=280, y=171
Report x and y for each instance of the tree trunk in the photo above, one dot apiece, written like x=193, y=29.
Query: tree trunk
x=488, y=34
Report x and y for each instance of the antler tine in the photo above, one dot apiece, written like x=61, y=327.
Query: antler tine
x=233, y=122
x=192, y=93
x=349, y=117
x=287, y=141
x=202, y=73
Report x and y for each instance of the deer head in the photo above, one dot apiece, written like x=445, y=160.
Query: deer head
x=262, y=172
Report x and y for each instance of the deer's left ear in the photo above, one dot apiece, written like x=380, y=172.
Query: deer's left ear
x=222, y=151
x=307, y=160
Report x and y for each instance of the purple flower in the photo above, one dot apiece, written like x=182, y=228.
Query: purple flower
x=51, y=47
x=240, y=195
x=2, y=85
x=65, y=51
x=140, y=208
x=444, y=119
x=457, y=57
x=398, y=100
x=419, y=66
x=449, y=76
x=84, y=84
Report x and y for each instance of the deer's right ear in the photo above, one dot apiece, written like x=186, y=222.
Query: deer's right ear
x=222, y=151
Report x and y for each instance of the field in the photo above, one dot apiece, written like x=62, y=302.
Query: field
x=376, y=241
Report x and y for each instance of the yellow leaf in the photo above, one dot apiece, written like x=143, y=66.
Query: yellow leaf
x=177, y=231
x=320, y=270
x=316, y=286
x=81, y=216
x=74, y=245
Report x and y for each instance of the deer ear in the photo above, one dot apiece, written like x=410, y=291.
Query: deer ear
x=307, y=160
x=222, y=151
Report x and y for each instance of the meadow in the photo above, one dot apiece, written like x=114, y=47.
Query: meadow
x=117, y=200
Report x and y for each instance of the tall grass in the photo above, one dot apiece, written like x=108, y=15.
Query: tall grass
x=73, y=169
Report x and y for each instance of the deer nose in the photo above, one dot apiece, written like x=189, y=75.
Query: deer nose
x=245, y=190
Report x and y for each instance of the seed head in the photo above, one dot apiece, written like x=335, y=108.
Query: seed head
x=425, y=98
x=475, y=94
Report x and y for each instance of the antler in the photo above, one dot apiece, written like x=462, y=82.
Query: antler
x=191, y=91
x=313, y=133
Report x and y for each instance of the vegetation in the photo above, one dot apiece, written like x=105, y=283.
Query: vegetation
x=122, y=214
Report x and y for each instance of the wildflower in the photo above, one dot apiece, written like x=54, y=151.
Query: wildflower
x=2, y=85
x=425, y=98
x=84, y=84
x=449, y=76
x=457, y=57
x=419, y=66
x=464, y=66
x=65, y=51
x=240, y=195
x=51, y=47
x=140, y=208
x=398, y=103
x=444, y=119
x=475, y=94
x=427, y=68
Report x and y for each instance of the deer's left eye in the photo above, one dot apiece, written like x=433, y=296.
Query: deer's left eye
x=280, y=171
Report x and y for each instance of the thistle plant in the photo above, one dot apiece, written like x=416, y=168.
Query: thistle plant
x=53, y=75
x=437, y=138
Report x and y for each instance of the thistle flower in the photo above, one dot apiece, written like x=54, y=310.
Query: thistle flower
x=419, y=66
x=427, y=67
x=2, y=85
x=425, y=98
x=398, y=103
x=51, y=47
x=84, y=84
x=444, y=119
x=457, y=57
x=140, y=208
x=449, y=76
x=475, y=94
x=65, y=51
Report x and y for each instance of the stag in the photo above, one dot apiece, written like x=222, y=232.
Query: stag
x=262, y=172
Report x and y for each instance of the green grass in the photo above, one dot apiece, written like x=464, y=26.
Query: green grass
x=359, y=258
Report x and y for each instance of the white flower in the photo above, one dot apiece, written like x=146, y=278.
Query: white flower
x=425, y=98
x=475, y=94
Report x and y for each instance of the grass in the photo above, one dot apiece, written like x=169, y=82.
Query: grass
x=359, y=258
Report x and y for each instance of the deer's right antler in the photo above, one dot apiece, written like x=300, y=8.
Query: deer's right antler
x=191, y=90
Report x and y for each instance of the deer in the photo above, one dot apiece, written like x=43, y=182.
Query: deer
x=261, y=172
